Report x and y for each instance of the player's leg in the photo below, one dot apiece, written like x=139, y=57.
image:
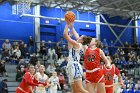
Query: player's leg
x=78, y=72
x=18, y=91
x=70, y=73
x=101, y=87
x=80, y=87
x=74, y=88
x=90, y=87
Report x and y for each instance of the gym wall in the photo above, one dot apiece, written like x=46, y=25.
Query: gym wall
x=128, y=34
x=54, y=30
x=12, y=26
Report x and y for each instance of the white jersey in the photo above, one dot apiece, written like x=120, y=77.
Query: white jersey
x=54, y=82
x=116, y=79
x=74, y=68
x=41, y=79
x=75, y=54
x=117, y=88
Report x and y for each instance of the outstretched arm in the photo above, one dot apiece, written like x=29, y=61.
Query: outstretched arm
x=120, y=80
x=29, y=79
x=69, y=39
x=107, y=63
x=117, y=72
x=76, y=35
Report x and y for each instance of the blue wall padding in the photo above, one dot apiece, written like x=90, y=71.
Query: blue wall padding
x=128, y=35
x=12, y=26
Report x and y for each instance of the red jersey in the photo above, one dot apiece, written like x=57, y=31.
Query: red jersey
x=27, y=84
x=109, y=74
x=92, y=58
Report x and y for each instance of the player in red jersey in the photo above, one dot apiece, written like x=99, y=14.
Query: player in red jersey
x=94, y=72
x=28, y=82
x=109, y=76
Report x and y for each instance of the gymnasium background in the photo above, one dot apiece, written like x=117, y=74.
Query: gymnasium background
x=19, y=28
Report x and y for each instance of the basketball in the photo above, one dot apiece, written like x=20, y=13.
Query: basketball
x=69, y=17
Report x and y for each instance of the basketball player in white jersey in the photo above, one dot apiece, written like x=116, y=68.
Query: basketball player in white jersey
x=54, y=83
x=41, y=76
x=74, y=68
x=117, y=85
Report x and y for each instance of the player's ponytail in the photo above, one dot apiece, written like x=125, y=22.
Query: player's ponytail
x=99, y=44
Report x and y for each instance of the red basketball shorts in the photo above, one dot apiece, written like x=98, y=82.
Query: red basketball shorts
x=95, y=76
x=109, y=89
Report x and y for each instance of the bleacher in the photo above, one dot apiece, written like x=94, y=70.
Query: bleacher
x=11, y=71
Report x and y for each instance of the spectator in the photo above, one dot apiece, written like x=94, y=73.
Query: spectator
x=123, y=62
x=62, y=41
x=33, y=59
x=15, y=45
x=123, y=70
x=17, y=53
x=5, y=53
x=111, y=48
x=57, y=68
x=20, y=75
x=136, y=47
x=6, y=45
x=106, y=51
x=124, y=90
x=138, y=82
x=64, y=63
x=43, y=48
x=2, y=69
x=126, y=44
x=64, y=50
x=61, y=81
x=137, y=89
x=21, y=65
x=3, y=86
x=117, y=60
x=58, y=50
x=37, y=66
x=130, y=90
x=112, y=44
x=60, y=60
x=27, y=68
x=52, y=56
x=31, y=45
x=132, y=83
x=130, y=63
x=126, y=82
x=21, y=47
x=25, y=51
x=50, y=69
x=138, y=60
x=123, y=76
x=105, y=42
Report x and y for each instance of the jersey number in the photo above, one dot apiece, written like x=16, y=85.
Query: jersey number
x=108, y=77
x=91, y=58
x=73, y=55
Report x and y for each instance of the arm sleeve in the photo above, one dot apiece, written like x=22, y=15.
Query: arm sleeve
x=117, y=71
x=29, y=80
